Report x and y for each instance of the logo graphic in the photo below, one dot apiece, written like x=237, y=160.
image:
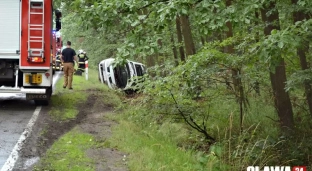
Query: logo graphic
x=277, y=168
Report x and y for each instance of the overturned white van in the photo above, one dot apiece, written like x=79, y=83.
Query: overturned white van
x=120, y=77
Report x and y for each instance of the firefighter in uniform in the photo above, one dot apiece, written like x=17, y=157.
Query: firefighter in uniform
x=58, y=52
x=58, y=62
x=82, y=58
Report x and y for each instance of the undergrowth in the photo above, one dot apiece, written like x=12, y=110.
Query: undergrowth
x=153, y=138
x=212, y=126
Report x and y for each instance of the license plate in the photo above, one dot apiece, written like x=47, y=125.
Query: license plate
x=36, y=96
x=33, y=78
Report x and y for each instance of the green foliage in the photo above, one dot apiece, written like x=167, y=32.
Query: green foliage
x=201, y=89
x=200, y=93
x=90, y=40
x=298, y=79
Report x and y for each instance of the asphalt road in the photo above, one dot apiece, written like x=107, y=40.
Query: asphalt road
x=13, y=120
x=15, y=114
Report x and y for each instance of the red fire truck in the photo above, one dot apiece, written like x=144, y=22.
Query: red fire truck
x=53, y=53
x=25, y=56
x=56, y=55
x=57, y=44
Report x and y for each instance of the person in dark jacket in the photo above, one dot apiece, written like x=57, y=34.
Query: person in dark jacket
x=82, y=58
x=68, y=58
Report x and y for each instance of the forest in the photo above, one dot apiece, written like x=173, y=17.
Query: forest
x=235, y=73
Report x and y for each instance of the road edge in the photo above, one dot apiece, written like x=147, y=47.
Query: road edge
x=10, y=162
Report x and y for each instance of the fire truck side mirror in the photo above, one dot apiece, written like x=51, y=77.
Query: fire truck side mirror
x=58, y=15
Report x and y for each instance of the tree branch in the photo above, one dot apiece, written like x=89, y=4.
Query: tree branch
x=190, y=120
x=143, y=7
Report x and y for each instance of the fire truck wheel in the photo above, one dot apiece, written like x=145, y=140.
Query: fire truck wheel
x=45, y=102
x=49, y=91
x=20, y=79
x=42, y=102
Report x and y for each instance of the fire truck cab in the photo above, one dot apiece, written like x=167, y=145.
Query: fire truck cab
x=25, y=48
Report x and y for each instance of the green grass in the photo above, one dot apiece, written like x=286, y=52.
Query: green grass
x=65, y=102
x=68, y=153
x=153, y=149
x=224, y=113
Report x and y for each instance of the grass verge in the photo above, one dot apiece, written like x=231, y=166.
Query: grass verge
x=68, y=153
x=153, y=149
x=65, y=101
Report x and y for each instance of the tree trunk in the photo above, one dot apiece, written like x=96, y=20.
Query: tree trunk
x=278, y=77
x=161, y=59
x=150, y=61
x=180, y=39
x=230, y=49
x=257, y=84
x=237, y=81
x=301, y=51
x=174, y=50
x=160, y=56
x=187, y=35
x=203, y=41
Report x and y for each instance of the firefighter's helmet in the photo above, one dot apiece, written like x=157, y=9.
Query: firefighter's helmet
x=80, y=51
